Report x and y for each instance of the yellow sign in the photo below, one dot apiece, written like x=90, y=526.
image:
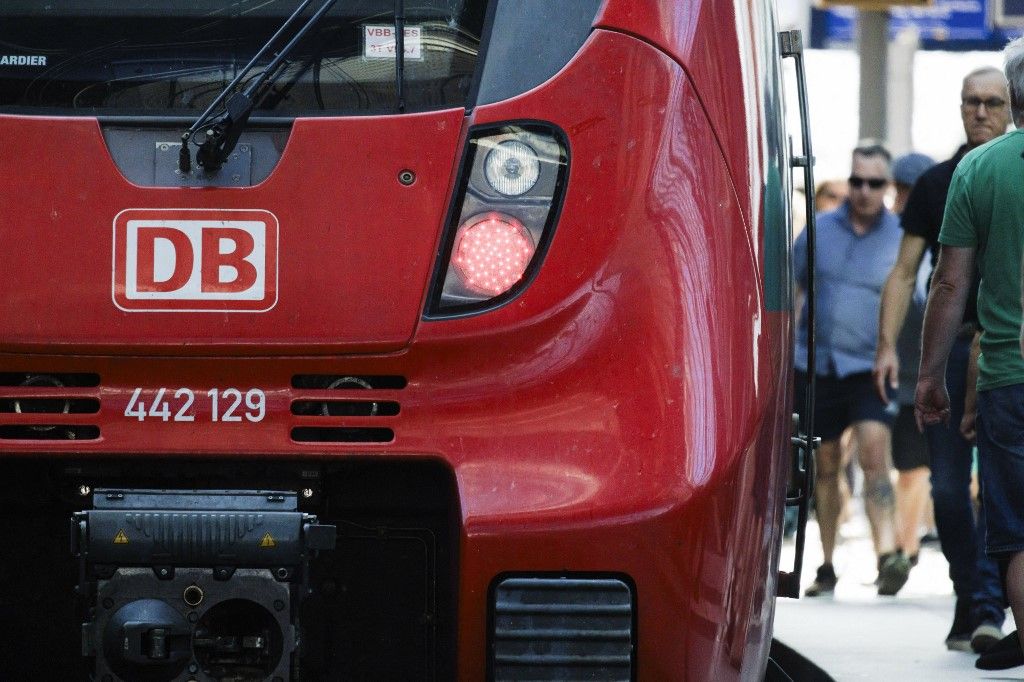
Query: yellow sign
x=267, y=541
x=120, y=538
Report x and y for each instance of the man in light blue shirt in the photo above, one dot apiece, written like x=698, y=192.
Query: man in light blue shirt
x=856, y=248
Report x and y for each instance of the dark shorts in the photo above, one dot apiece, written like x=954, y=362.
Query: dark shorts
x=909, y=447
x=841, y=402
x=1000, y=428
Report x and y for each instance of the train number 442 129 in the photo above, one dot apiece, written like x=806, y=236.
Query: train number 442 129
x=182, y=404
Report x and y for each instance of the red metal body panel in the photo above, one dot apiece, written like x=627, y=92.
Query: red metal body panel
x=337, y=199
x=625, y=414
x=701, y=36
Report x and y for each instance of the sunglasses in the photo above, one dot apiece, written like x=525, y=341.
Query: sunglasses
x=976, y=102
x=874, y=183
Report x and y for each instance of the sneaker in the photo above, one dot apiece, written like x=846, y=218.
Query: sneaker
x=824, y=582
x=985, y=636
x=1005, y=654
x=893, y=575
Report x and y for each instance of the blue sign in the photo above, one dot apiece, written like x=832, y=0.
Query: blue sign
x=946, y=25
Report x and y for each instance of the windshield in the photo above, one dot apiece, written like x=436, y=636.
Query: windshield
x=173, y=57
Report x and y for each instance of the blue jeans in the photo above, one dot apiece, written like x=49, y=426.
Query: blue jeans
x=1001, y=455
x=974, y=574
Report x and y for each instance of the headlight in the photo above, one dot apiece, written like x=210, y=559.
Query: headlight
x=512, y=168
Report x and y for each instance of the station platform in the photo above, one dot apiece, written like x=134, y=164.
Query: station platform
x=858, y=635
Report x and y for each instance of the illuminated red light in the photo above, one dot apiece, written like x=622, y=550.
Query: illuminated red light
x=491, y=253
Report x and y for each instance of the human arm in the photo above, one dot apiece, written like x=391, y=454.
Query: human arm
x=967, y=424
x=946, y=301
x=799, y=276
x=1022, y=305
x=896, y=295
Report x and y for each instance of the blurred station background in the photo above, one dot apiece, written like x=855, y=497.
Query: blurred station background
x=893, y=70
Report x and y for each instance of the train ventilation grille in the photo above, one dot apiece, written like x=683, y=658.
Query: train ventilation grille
x=37, y=406
x=562, y=629
x=344, y=408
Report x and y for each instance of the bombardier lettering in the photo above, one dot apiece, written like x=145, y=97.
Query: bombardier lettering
x=22, y=60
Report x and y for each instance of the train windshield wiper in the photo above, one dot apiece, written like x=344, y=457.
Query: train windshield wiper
x=223, y=132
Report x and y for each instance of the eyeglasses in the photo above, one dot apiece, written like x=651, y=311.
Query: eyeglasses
x=874, y=183
x=976, y=102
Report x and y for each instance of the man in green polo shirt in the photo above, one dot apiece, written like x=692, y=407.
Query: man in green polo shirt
x=983, y=227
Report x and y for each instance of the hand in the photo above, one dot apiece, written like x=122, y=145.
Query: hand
x=931, y=402
x=967, y=425
x=886, y=370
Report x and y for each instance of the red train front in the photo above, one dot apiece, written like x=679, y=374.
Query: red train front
x=471, y=363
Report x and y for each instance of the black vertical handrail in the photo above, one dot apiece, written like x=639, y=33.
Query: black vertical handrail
x=400, y=54
x=791, y=45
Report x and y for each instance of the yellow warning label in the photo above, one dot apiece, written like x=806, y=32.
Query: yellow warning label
x=120, y=538
x=267, y=541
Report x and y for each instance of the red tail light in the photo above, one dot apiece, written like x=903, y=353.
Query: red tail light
x=512, y=182
x=492, y=252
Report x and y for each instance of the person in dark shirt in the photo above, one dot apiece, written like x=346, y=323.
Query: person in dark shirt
x=979, y=612
x=909, y=449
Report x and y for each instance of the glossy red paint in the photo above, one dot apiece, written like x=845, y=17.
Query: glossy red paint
x=706, y=38
x=626, y=414
x=335, y=194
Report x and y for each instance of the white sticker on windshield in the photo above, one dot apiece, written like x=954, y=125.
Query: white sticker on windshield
x=379, y=42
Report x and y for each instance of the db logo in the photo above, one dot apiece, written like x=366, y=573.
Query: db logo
x=180, y=259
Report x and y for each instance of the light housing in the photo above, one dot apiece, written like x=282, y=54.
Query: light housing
x=502, y=218
x=512, y=168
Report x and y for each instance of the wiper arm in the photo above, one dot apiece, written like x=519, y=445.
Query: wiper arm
x=222, y=134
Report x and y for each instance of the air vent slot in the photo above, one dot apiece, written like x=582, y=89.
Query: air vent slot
x=562, y=629
x=345, y=408
x=75, y=379
x=29, y=405
x=345, y=382
x=341, y=434
x=48, y=406
x=49, y=432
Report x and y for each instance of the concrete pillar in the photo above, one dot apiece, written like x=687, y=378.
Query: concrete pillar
x=872, y=46
x=900, y=92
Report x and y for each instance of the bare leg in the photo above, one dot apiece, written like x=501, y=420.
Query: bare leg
x=912, y=493
x=873, y=446
x=847, y=454
x=826, y=495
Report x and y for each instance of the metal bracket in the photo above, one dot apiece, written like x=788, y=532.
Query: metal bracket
x=791, y=43
x=236, y=171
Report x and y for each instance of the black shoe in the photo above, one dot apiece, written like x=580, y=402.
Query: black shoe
x=1005, y=654
x=985, y=636
x=959, y=637
x=824, y=582
x=893, y=575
